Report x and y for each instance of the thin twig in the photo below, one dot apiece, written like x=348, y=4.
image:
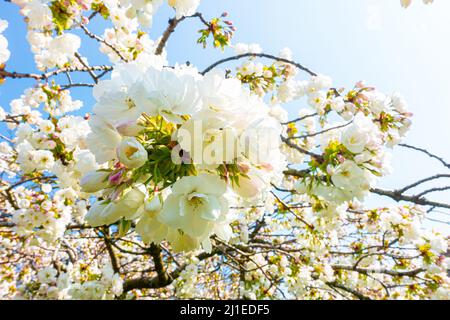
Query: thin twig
x=260, y=55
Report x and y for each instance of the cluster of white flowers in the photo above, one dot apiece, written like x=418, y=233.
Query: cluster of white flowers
x=4, y=52
x=126, y=40
x=52, y=151
x=126, y=37
x=54, y=142
x=426, y=252
x=257, y=283
x=109, y=286
x=186, y=282
x=185, y=160
x=184, y=7
x=354, y=152
x=39, y=213
x=58, y=51
x=130, y=45
x=103, y=284
x=147, y=119
x=127, y=16
x=407, y=3
x=6, y=159
x=243, y=48
x=262, y=78
x=53, y=100
x=50, y=51
x=38, y=13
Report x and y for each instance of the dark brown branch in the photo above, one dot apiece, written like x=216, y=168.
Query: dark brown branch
x=415, y=184
x=112, y=255
x=173, y=23
x=301, y=118
x=155, y=252
x=47, y=75
x=297, y=173
x=155, y=282
x=438, y=221
x=97, y=38
x=6, y=224
x=91, y=73
x=432, y=190
x=357, y=294
x=292, y=145
x=393, y=273
x=413, y=199
x=431, y=155
x=260, y=55
x=77, y=85
x=39, y=179
x=286, y=207
x=310, y=135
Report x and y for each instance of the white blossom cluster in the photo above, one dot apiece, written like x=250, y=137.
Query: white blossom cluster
x=199, y=114
x=52, y=151
x=204, y=173
x=51, y=284
x=4, y=52
x=127, y=18
x=40, y=214
x=355, y=154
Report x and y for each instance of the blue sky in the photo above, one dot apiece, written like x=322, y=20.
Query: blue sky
x=350, y=40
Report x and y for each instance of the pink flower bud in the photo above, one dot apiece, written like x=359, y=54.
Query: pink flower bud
x=116, y=178
x=243, y=167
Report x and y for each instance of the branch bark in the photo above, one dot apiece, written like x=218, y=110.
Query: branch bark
x=260, y=55
x=395, y=195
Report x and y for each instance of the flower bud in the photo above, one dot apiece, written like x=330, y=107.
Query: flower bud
x=94, y=181
x=116, y=178
x=131, y=153
x=330, y=170
x=126, y=207
x=106, y=212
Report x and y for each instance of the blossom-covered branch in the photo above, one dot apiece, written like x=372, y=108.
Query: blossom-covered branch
x=189, y=183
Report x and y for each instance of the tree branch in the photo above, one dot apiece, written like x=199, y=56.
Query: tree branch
x=415, y=184
x=414, y=199
x=155, y=283
x=292, y=145
x=260, y=55
x=97, y=38
x=47, y=75
x=357, y=294
x=393, y=273
x=428, y=153
x=112, y=255
x=173, y=23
